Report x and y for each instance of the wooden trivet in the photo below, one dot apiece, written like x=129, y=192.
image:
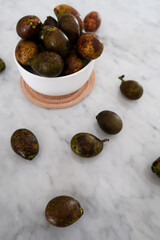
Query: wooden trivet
x=63, y=101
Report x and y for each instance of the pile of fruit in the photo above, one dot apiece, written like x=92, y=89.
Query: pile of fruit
x=61, y=46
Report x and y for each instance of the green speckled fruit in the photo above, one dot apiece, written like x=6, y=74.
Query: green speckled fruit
x=131, y=88
x=25, y=143
x=156, y=167
x=63, y=211
x=2, y=65
x=86, y=145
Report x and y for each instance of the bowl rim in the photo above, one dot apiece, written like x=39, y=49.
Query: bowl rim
x=59, y=77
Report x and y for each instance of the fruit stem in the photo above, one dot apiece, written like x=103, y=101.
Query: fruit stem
x=105, y=140
x=121, y=78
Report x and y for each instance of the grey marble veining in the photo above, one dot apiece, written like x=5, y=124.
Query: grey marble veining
x=117, y=190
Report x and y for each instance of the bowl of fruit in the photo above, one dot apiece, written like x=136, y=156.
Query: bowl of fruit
x=57, y=57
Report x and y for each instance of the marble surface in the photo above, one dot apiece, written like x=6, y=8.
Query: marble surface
x=117, y=190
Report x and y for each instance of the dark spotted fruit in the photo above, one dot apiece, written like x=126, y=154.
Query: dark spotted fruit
x=63, y=211
x=156, y=167
x=86, y=145
x=2, y=65
x=25, y=143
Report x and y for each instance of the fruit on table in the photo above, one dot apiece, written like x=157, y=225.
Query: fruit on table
x=86, y=145
x=109, y=122
x=28, y=27
x=49, y=64
x=72, y=64
x=61, y=9
x=156, y=167
x=50, y=21
x=69, y=24
x=89, y=46
x=25, y=51
x=92, y=21
x=63, y=211
x=25, y=143
x=55, y=40
x=2, y=65
x=131, y=88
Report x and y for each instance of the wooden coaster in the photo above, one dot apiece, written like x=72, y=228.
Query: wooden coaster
x=63, y=101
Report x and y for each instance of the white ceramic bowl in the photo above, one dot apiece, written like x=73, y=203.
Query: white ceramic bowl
x=56, y=86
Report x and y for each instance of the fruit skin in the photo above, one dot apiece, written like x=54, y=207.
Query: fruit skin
x=69, y=24
x=55, y=40
x=61, y=9
x=72, y=64
x=50, y=21
x=89, y=46
x=156, y=167
x=92, y=21
x=25, y=143
x=131, y=88
x=86, y=145
x=63, y=211
x=109, y=122
x=25, y=51
x=28, y=27
x=2, y=65
x=48, y=64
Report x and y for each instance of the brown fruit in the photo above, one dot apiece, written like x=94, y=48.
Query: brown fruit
x=92, y=22
x=72, y=64
x=25, y=51
x=50, y=21
x=28, y=27
x=89, y=46
x=63, y=9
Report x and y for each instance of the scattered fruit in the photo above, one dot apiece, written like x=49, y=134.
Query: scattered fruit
x=92, y=22
x=156, y=167
x=25, y=143
x=63, y=211
x=86, y=145
x=2, y=65
x=131, y=88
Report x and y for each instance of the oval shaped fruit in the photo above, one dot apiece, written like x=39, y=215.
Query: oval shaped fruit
x=131, y=88
x=86, y=145
x=25, y=143
x=63, y=211
x=2, y=65
x=69, y=24
x=89, y=46
x=109, y=122
x=28, y=27
x=61, y=9
x=72, y=64
x=92, y=21
x=156, y=167
x=48, y=64
x=50, y=21
x=55, y=40
x=25, y=51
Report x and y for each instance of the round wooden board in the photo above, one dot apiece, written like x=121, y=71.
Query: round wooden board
x=63, y=101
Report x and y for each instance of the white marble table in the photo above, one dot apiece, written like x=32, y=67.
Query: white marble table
x=117, y=190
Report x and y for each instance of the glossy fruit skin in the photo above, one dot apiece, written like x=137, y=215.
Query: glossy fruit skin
x=92, y=22
x=109, y=122
x=55, y=40
x=72, y=64
x=131, y=89
x=89, y=46
x=48, y=64
x=28, y=27
x=50, y=21
x=156, y=167
x=2, y=65
x=25, y=143
x=63, y=211
x=69, y=24
x=25, y=51
x=86, y=145
x=61, y=9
